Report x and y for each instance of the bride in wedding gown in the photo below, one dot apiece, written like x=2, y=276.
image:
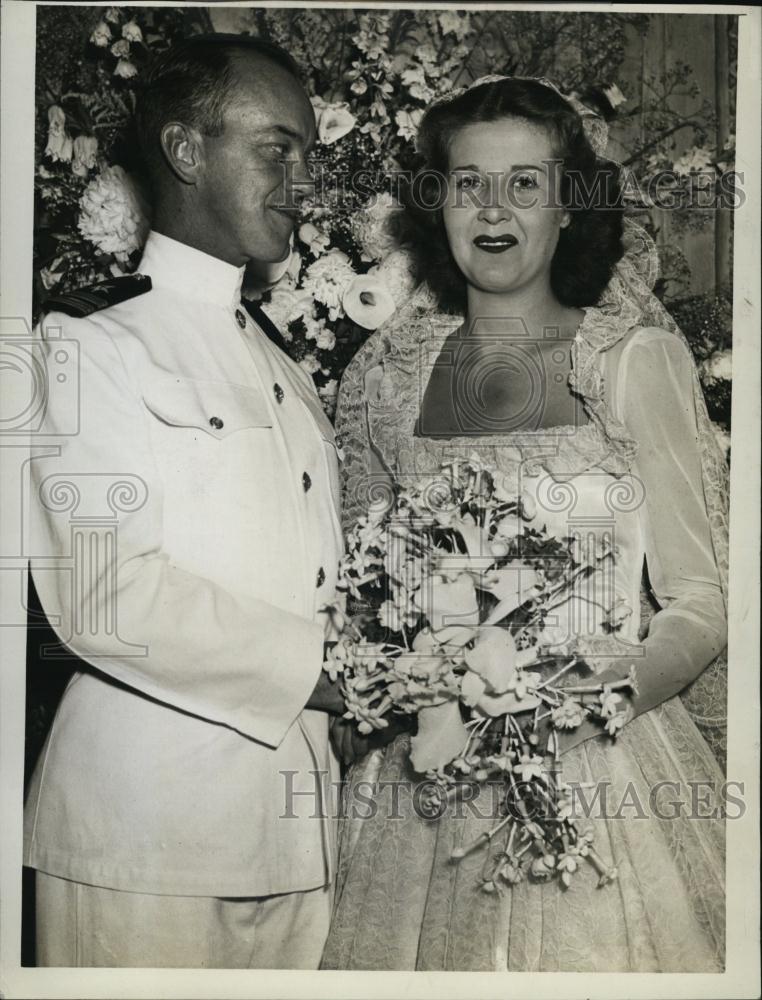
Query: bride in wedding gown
x=535, y=342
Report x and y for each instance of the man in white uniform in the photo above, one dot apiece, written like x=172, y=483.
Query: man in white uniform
x=186, y=538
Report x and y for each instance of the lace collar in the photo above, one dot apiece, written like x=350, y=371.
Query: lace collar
x=407, y=355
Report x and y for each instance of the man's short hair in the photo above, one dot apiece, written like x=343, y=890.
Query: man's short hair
x=191, y=82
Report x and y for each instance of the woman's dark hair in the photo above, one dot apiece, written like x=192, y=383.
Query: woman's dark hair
x=191, y=82
x=588, y=248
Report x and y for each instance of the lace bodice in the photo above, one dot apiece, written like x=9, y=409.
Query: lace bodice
x=645, y=467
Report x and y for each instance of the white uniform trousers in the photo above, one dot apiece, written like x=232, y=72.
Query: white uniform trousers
x=90, y=926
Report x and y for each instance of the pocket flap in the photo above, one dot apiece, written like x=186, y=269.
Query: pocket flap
x=217, y=408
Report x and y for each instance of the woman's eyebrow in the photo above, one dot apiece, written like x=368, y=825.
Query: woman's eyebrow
x=516, y=166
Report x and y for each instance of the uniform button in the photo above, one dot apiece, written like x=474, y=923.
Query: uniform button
x=240, y=318
x=320, y=577
x=216, y=423
x=306, y=481
x=279, y=394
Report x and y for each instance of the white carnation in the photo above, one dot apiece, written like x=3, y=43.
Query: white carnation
x=310, y=364
x=327, y=277
x=718, y=366
x=114, y=215
x=326, y=340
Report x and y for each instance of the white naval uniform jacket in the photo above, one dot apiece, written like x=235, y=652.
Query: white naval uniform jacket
x=194, y=589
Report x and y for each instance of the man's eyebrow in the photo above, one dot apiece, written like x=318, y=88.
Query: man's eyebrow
x=283, y=129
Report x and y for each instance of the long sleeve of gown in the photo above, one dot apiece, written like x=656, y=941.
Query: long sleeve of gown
x=656, y=401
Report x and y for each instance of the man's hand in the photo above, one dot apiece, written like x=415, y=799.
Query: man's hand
x=350, y=745
x=326, y=696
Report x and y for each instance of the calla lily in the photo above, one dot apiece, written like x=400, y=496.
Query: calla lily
x=334, y=121
x=511, y=585
x=449, y=603
x=440, y=738
x=368, y=302
x=493, y=658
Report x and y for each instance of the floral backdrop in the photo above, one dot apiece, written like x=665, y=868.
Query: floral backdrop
x=370, y=75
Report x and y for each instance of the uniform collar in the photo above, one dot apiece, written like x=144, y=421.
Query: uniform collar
x=192, y=273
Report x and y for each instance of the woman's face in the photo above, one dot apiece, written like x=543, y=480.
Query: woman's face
x=502, y=215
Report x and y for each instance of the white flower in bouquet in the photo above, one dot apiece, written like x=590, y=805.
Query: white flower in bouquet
x=49, y=276
x=329, y=391
x=121, y=49
x=368, y=302
x=694, y=160
x=85, y=152
x=316, y=241
x=125, y=69
x=614, y=96
x=327, y=278
x=408, y=122
x=113, y=213
x=370, y=227
x=415, y=81
x=310, y=364
x=131, y=31
x=286, y=304
x=718, y=366
x=334, y=121
x=101, y=35
x=453, y=23
x=326, y=339
x=112, y=15
x=60, y=146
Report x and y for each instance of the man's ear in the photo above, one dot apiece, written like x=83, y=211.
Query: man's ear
x=183, y=149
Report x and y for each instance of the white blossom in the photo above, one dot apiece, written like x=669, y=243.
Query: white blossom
x=131, y=31
x=85, y=152
x=718, y=366
x=327, y=278
x=334, y=121
x=121, y=49
x=614, y=96
x=408, y=122
x=125, y=69
x=314, y=239
x=113, y=213
x=310, y=364
x=101, y=35
x=368, y=301
x=60, y=146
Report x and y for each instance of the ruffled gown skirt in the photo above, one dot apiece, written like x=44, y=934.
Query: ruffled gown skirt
x=654, y=798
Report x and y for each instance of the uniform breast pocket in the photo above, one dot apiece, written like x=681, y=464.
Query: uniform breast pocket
x=219, y=409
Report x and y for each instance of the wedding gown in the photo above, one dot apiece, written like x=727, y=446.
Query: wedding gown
x=633, y=472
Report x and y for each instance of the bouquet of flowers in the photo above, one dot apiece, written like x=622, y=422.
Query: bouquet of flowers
x=452, y=587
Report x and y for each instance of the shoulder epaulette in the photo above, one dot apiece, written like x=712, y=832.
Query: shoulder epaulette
x=267, y=326
x=91, y=299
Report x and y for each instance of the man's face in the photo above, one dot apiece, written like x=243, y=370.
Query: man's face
x=255, y=173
